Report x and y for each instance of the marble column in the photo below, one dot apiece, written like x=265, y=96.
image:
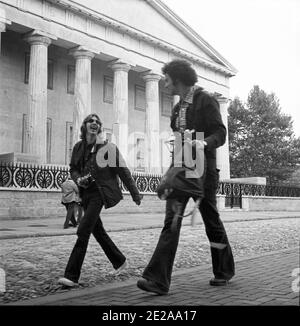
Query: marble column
x=82, y=88
x=223, y=151
x=120, y=105
x=152, y=122
x=37, y=85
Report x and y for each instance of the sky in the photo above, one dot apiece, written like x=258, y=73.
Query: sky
x=260, y=38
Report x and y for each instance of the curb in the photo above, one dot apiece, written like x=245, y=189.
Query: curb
x=156, y=226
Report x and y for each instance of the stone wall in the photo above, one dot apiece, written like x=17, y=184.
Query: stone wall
x=261, y=203
x=20, y=204
x=30, y=204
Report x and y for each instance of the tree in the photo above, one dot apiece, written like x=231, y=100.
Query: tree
x=261, y=138
x=294, y=179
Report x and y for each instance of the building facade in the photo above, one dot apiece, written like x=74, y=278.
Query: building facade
x=61, y=60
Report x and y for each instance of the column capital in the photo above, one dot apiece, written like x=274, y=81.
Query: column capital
x=119, y=65
x=151, y=76
x=2, y=26
x=3, y=20
x=37, y=37
x=81, y=52
x=221, y=98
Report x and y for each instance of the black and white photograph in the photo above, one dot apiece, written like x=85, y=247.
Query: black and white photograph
x=149, y=158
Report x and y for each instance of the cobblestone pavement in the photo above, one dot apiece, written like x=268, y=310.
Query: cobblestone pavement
x=33, y=265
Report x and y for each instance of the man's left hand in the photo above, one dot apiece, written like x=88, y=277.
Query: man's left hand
x=198, y=144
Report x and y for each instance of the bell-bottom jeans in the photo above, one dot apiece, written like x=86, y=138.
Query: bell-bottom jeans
x=91, y=224
x=159, y=268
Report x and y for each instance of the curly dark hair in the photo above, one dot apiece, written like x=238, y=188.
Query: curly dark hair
x=83, y=126
x=180, y=70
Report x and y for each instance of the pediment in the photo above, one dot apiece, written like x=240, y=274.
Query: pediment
x=154, y=19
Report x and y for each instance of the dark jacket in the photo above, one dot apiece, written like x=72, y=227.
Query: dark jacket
x=106, y=178
x=204, y=116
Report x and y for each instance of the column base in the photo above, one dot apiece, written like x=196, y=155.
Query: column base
x=15, y=157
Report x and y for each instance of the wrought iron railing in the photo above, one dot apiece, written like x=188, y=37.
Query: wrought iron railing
x=50, y=177
x=232, y=192
x=226, y=188
x=235, y=191
x=27, y=176
x=146, y=183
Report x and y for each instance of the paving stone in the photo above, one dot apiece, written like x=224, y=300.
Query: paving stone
x=36, y=264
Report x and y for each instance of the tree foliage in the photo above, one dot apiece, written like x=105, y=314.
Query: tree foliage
x=262, y=142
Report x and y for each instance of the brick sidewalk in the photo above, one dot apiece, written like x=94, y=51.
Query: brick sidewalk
x=261, y=280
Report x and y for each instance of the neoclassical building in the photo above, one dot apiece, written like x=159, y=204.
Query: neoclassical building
x=61, y=60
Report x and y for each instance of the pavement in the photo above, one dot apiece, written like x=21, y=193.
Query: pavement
x=22, y=228
x=268, y=279
x=260, y=280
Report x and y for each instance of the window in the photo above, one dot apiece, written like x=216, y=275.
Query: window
x=50, y=74
x=70, y=79
x=50, y=71
x=166, y=104
x=49, y=138
x=27, y=61
x=140, y=155
x=25, y=134
x=108, y=85
x=140, y=98
x=4, y=48
x=69, y=142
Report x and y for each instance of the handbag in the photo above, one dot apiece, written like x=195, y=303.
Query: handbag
x=182, y=182
x=175, y=184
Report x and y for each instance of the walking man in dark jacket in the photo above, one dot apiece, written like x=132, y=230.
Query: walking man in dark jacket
x=99, y=186
x=199, y=111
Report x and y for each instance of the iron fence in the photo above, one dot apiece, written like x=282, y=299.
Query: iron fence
x=235, y=191
x=50, y=177
x=27, y=176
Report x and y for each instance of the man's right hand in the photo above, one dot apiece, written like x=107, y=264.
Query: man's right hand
x=138, y=200
x=82, y=182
